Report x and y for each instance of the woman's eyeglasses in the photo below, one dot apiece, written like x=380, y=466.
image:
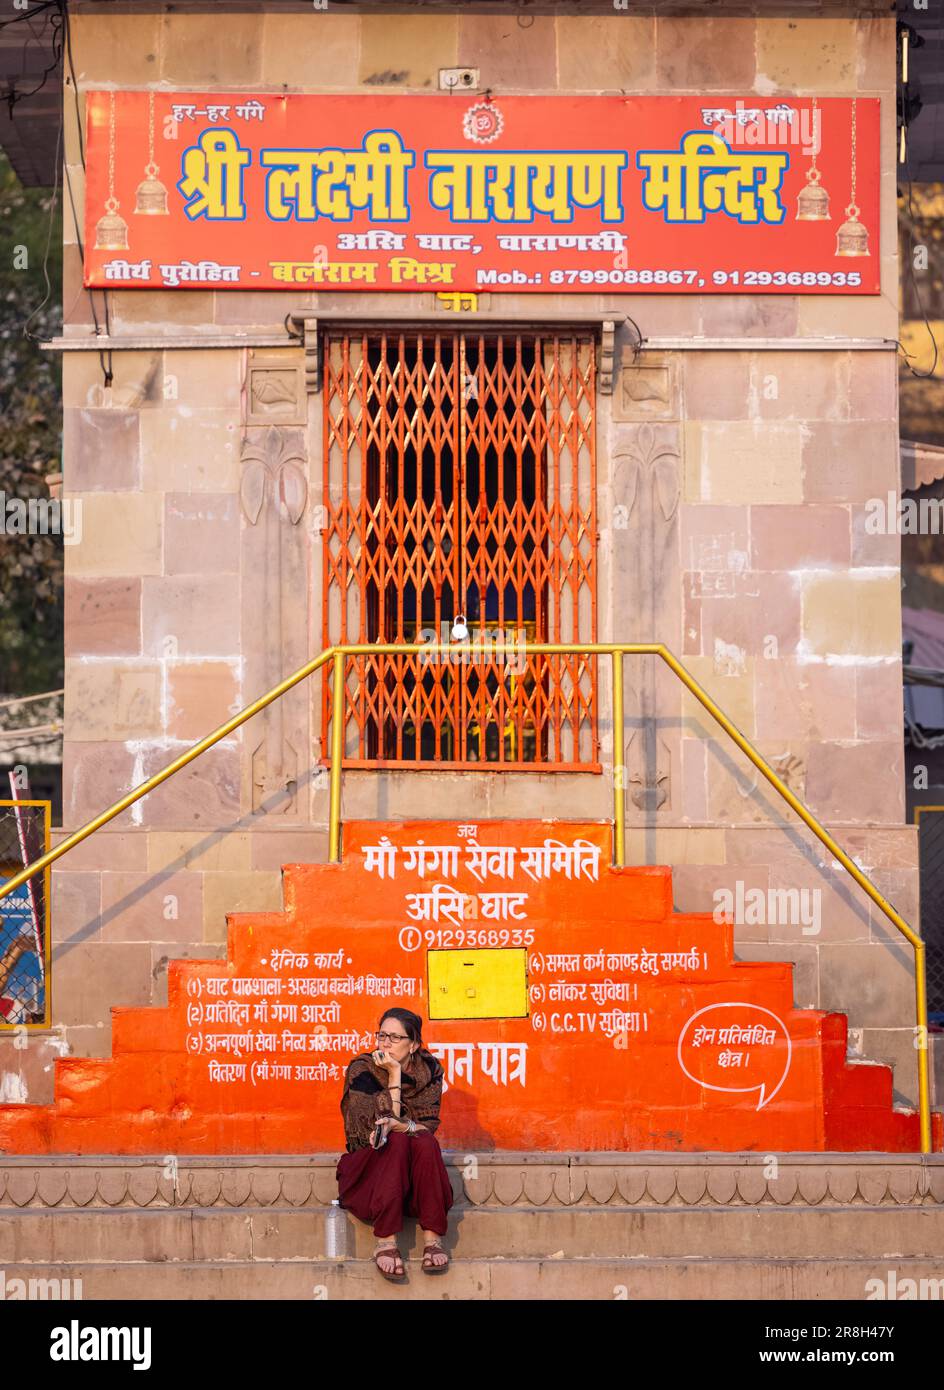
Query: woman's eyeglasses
x=389, y=1037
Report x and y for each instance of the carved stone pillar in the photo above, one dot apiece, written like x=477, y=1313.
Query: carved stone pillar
x=275, y=608
x=646, y=474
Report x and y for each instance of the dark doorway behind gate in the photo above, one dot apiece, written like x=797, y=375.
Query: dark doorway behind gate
x=460, y=477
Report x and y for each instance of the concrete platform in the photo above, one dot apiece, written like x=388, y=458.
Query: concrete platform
x=580, y=1226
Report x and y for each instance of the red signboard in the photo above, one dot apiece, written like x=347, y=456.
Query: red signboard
x=467, y=194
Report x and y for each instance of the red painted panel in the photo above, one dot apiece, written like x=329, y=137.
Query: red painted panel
x=643, y=1032
x=523, y=194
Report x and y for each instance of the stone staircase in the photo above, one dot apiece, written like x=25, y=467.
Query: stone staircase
x=622, y=1043
x=180, y=1168
x=525, y=1226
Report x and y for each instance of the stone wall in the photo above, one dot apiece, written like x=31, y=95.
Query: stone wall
x=731, y=485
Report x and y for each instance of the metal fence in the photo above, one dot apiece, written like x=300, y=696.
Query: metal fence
x=460, y=481
x=24, y=915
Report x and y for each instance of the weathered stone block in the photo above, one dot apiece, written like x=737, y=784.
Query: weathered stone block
x=103, y=45
x=805, y=965
x=201, y=533
x=805, y=700
x=151, y=310
x=800, y=385
x=173, y=850
x=151, y=907
x=101, y=450
x=203, y=377
x=197, y=48
x=750, y=462
x=748, y=315
x=102, y=617
x=190, y=615
x=93, y=776
x=509, y=54
x=137, y=381
x=90, y=978
x=734, y=694
x=112, y=699
x=715, y=538
x=801, y=537
x=604, y=53
x=407, y=50
x=75, y=913
x=717, y=385
x=190, y=450
x=200, y=696
x=849, y=462
x=272, y=850
x=878, y=704
x=106, y=849
x=873, y=386
x=312, y=51
x=853, y=614
x=806, y=54
x=856, y=782
x=710, y=55
x=121, y=534
x=878, y=978
x=255, y=891
x=205, y=793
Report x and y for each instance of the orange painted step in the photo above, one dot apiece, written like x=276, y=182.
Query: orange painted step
x=638, y=1029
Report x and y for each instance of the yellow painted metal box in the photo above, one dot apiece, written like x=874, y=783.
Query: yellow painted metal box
x=478, y=984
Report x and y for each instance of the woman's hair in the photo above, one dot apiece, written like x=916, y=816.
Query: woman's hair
x=412, y=1024
x=413, y=1027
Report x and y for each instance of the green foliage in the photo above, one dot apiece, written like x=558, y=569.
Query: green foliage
x=30, y=436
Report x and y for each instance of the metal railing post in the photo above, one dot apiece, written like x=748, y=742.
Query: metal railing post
x=923, y=1043
x=619, y=804
x=337, y=752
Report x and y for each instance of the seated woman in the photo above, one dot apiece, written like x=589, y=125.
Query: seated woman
x=393, y=1165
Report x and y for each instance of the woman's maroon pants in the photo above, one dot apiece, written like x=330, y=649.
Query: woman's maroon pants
x=406, y=1177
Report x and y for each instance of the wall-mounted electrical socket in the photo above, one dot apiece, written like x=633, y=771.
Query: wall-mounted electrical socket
x=458, y=79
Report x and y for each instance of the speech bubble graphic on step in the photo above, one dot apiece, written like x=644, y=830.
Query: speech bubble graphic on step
x=736, y=1046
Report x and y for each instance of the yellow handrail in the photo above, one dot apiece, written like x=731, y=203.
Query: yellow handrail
x=616, y=650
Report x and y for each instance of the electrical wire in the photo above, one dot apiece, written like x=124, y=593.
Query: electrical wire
x=13, y=96
x=33, y=337
x=30, y=14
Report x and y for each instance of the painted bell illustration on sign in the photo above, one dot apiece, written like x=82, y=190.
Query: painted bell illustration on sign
x=813, y=200
x=111, y=229
x=852, y=239
x=151, y=195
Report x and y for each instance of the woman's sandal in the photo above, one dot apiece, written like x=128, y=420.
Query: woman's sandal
x=428, y=1266
x=398, y=1273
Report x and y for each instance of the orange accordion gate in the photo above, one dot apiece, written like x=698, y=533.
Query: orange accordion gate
x=460, y=493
